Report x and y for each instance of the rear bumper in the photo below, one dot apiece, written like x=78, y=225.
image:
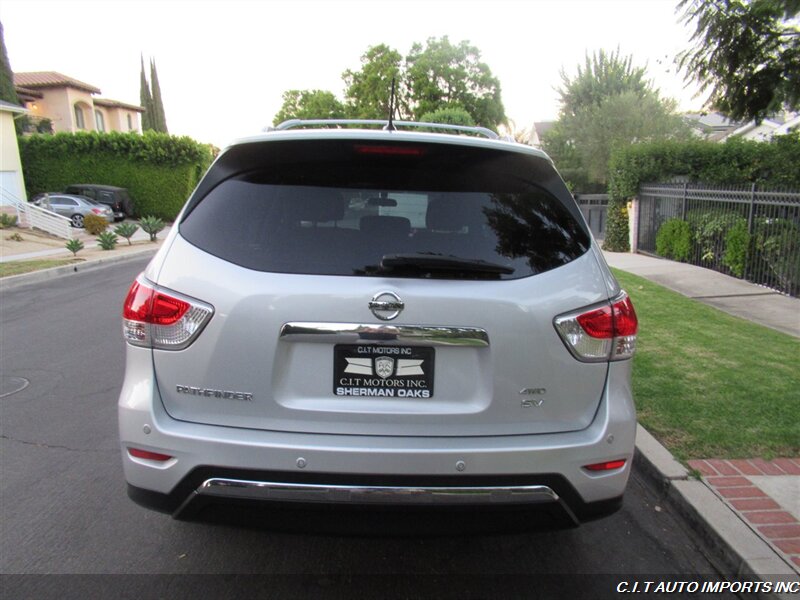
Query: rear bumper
x=521, y=470
x=508, y=496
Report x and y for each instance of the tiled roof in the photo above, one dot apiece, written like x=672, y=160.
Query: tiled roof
x=116, y=104
x=41, y=79
x=25, y=93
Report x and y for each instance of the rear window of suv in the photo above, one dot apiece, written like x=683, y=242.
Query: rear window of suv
x=344, y=207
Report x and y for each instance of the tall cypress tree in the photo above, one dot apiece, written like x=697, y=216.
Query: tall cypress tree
x=159, y=117
x=146, y=100
x=7, y=91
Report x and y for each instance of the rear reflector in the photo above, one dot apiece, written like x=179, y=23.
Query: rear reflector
x=147, y=455
x=157, y=318
x=601, y=333
x=606, y=466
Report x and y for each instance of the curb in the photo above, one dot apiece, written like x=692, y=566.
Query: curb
x=742, y=551
x=15, y=281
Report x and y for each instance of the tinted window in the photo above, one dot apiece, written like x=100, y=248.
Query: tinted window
x=286, y=220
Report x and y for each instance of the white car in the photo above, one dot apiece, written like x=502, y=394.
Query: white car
x=379, y=317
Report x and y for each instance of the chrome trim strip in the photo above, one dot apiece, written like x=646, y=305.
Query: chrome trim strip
x=373, y=333
x=362, y=494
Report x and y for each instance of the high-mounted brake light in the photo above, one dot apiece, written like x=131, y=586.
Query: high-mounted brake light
x=156, y=318
x=390, y=150
x=602, y=333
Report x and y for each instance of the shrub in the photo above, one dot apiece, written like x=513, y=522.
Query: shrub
x=107, y=240
x=94, y=224
x=74, y=246
x=16, y=237
x=160, y=171
x=737, y=241
x=151, y=225
x=776, y=242
x=735, y=162
x=7, y=221
x=674, y=240
x=710, y=229
x=126, y=230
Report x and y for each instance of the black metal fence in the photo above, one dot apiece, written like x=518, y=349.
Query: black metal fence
x=746, y=231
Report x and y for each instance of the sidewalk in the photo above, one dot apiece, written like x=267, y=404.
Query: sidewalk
x=763, y=496
x=734, y=296
x=38, y=246
x=51, y=247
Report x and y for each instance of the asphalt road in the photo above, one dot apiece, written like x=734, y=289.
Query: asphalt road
x=63, y=507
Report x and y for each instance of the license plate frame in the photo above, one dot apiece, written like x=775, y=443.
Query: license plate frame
x=369, y=370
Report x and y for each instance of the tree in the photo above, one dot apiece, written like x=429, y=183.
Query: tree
x=450, y=115
x=309, y=104
x=746, y=54
x=159, y=117
x=438, y=76
x=146, y=100
x=607, y=104
x=369, y=89
x=7, y=91
x=445, y=74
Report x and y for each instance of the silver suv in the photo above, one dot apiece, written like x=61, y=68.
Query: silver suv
x=365, y=316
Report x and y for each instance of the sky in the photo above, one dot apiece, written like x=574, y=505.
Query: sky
x=223, y=65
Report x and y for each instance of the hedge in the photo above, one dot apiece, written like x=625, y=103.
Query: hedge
x=734, y=162
x=159, y=170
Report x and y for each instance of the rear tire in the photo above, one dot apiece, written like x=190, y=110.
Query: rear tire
x=77, y=220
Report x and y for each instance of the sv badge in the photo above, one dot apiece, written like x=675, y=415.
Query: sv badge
x=530, y=399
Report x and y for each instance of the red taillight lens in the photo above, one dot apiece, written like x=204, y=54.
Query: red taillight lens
x=625, y=321
x=167, y=310
x=599, y=334
x=147, y=455
x=598, y=323
x=97, y=211
x=138, y=302
x=156, y=318
x=146, y=305
x=606, y=466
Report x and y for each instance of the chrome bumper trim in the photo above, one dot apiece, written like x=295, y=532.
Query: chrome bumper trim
x=370, y=333
x=357, y=494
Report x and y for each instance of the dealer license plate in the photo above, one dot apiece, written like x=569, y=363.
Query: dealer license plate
x=383, y=371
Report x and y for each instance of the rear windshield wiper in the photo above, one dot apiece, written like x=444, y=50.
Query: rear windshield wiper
x=442, y=262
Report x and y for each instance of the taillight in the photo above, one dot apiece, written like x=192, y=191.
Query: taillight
x=98, y=211
x=156, y=318
x=601, y=333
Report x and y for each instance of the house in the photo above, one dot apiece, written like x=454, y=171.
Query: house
x=716, y=127
x=71, y=105
x=711, y=126
x=538, y=131
x=12, y=185
x=768, y=128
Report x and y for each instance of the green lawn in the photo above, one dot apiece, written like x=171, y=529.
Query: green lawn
x=18, y=267
x=708, y=384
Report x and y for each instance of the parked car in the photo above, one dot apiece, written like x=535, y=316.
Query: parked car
x=116, y=197
x=74, y=207
x=365, y=317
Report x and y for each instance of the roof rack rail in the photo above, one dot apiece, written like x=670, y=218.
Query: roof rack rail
x=292, y=123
